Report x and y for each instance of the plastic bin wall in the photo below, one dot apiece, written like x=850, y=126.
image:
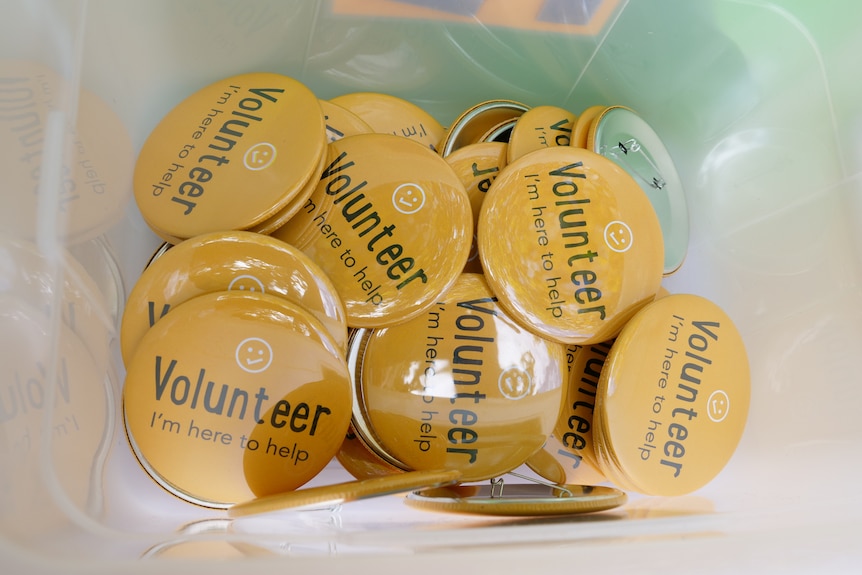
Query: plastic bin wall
x=759, y=103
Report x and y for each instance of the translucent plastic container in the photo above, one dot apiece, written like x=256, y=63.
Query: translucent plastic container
x=759, y=104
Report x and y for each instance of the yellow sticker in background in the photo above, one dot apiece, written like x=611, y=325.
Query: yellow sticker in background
x=587, y=17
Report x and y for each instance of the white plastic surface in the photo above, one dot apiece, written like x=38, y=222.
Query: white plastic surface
x=760, y=103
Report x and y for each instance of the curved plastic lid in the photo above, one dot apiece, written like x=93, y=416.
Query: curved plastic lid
x=673, y=397
x=235, y=395
x=571, y=445
x=621, y=135
x=475, y=122
x=389, y=223
x=570, y=244
x=230, y=156
x=477, y=165
x=388, y=114
x=521, y=499
x=330, y=495
x=225, y=261
x=57, y=409
x=87, y=166
x=540, y=127
x=475, y=391
x=341, y=122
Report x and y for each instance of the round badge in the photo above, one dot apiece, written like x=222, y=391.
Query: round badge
x=519, y=500
x=229, y=261
x=673, y=397
x=389, y=224
x=476, y=392
x=477, y=165
x=474, y=123
x=388, y=114
x=540, y=127
x=624, y=137
x=570, y=244
x=235, y=395
x=230, y=156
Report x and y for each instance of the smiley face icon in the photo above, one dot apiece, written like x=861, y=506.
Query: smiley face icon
x=259, y=156
x=717, y=406
x=253, y=355
x=618, y=236
x=246, y=283
x=408, y=198
x=514, y=383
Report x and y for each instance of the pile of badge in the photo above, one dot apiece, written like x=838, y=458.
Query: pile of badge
x=348, y=278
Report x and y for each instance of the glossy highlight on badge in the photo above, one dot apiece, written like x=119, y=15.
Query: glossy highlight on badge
x=461, y=387
x=233, y=396
x=570, y=244
x=229, y=261
x=389, y=223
